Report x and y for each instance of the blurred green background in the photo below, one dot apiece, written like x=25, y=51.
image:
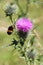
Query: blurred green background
x=7, y=57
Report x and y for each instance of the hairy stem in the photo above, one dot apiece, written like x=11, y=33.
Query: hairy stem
x=11, y=18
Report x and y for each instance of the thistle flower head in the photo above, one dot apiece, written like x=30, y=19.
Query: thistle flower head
x=24, y=24
x=10, y=9
x=32, y=54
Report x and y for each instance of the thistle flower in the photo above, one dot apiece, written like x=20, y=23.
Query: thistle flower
x=24, y=24
x=10, y=9
x=31, y=54
x=15, y=8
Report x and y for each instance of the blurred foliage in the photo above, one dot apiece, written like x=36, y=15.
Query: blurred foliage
x=35, y=12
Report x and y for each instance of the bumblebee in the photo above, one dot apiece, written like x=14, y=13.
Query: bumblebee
x=10, y=30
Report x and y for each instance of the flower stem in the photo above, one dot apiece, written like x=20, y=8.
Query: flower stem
x=19, y=7
x=27, y=7
x=31, y=62
x=26, y=59
x=11, y=18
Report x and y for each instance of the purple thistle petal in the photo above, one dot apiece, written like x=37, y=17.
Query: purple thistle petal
x=24, y=24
